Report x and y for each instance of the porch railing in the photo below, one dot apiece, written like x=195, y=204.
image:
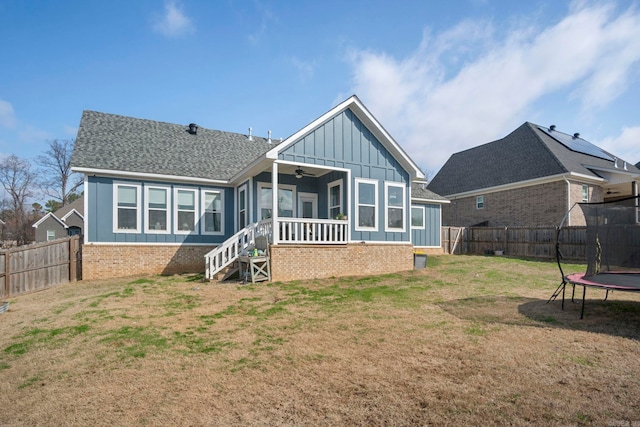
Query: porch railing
x=291, y=230
x=313, y=231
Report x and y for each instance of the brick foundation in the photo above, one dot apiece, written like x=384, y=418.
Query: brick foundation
x=106, y=261
x=288, y=262
x=297, y=262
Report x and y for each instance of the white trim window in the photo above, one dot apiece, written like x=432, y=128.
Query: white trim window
x=126, y=208
x=417, y=217
x=394, y=195
x=212, y=212
x=157, y=217
x=186, y=203
x=286, y=197
x=366, y=204
x=334, y=191
x=479, y=202
x=51, y=235
x=585, y=193
x=243, y=207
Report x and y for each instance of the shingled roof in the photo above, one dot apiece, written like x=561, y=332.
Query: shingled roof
x=421, y=192
x=127, y=144
x=527, y=153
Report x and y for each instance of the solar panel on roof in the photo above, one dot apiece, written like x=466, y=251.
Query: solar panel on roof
x=577, y=144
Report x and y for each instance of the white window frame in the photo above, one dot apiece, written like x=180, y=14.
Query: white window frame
x=264, y=185
x=247, y=220
x=138, y=208
x=418, y=227
x=585, y=193
x=203, y=211
x=336, y=183
x=387, y=228
x=480, y=202
x=147, y=228
x=51, y=235
x=196, y=217
x=374, y=182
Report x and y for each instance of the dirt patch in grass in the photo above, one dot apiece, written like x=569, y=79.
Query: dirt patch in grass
x=468, y=341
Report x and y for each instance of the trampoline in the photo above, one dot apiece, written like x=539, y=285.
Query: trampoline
x=612, y=249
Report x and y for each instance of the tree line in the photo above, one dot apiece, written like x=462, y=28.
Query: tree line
x=48, y=178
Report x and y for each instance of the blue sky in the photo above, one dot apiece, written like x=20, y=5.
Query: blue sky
x=440, y=76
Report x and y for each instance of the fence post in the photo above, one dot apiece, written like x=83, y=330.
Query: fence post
x=7, y=274
x=73, y=266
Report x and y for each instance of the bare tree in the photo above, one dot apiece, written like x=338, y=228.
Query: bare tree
x=58, y=181
x=17, y=179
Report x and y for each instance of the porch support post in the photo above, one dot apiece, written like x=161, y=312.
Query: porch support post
x=275, y=233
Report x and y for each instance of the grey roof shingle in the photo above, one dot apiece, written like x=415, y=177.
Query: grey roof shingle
x=120, y=143
x=526, y=153
x=420, y=191
x=77, y=204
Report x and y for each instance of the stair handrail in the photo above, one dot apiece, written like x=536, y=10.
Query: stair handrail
x=223, y=255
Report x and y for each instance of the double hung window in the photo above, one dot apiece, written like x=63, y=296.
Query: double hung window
x=211, y=212
x=335, y=199
x=366, y=204
x=395, y=199
x=126, y=208
x=157, y=218
x=185, y=210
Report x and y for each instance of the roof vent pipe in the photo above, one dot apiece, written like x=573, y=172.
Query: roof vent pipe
x=552, y=128
x=269, y=138
x=250, y=136
x=193, y=128
x=576, y=135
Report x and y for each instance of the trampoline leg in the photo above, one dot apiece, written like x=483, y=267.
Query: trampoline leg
x=584, y=293
x=564, y=286
x=573, y=293
x=606, y=295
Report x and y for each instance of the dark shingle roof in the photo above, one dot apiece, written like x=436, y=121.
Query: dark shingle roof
x=120, y=143
x=77, y=204
x=526, y=153
x=420, y=191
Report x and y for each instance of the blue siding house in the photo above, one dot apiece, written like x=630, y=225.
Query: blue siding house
x=165, y=198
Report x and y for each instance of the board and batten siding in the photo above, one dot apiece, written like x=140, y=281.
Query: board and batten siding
x=429, y=235
x=345, y=142
x=99, y=193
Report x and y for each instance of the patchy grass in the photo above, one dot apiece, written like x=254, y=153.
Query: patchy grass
x=467, y=341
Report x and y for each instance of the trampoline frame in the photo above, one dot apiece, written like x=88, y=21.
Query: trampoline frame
x=578, y=279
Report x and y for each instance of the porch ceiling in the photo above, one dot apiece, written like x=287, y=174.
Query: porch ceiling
x=290, y=169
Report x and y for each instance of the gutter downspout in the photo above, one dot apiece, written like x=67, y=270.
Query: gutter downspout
x=568, y=199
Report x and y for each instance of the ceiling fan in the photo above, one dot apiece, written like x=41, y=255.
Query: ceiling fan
x=300, y=173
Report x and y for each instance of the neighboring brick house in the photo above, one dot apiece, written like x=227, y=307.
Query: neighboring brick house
x=66, y=221
x=164, y=198
x=531, y=177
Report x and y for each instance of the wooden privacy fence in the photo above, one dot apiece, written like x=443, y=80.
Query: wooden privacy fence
x=40, y=266
x=526, y=242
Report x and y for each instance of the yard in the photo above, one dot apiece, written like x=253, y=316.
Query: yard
x=468, y=341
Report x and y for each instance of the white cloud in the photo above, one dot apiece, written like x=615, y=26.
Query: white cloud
x=173, y=23
x=626, y=145
x=7, y=116
x=476, y=82
x=305, y=68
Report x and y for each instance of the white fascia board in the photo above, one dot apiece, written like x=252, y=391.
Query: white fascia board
x=529, y=183
x=64, y=218
x=52, y=215
x=369, y=121
x=150, y=176
x=419, y=200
